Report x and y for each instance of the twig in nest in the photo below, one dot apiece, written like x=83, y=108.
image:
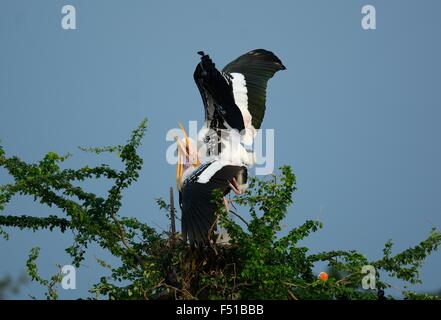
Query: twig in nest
x=292, y=295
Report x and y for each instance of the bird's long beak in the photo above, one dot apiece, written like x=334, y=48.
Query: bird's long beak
x=182, y=150
x=180, y=165
x=187, y=143
x=196, y=163
x=183, y=153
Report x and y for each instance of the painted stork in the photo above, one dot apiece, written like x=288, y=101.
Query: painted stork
x=234, y=103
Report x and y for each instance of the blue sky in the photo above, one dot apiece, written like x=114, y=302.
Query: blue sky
x=357, y=113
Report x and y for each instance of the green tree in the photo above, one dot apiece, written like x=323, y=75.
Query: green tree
x=257, y=263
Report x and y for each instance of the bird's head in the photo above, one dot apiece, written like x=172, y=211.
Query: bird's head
x=188, y=159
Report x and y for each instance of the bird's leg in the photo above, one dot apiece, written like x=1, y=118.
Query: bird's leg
x=235, y=187
x=226, y=204
x=231, y=201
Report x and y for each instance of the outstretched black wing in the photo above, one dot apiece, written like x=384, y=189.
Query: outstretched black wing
x=217, y=96
x=257, y=66
x=198, y=210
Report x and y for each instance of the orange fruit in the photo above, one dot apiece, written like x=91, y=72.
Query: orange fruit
x=323, y=276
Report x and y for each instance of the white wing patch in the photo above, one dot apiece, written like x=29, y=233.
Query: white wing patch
x=240, y=93
x=210, y=171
